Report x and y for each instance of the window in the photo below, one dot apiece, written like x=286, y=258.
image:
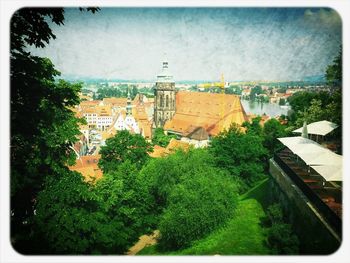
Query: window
x=161, y=100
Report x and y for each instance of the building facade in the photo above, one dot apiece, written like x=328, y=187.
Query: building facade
x=164, y=93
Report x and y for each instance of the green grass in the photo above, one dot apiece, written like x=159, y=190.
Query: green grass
x=259, y=193
x=242, y=235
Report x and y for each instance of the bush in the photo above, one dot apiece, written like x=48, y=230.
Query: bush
x=197, y=206
x=163, y=174
x=243, y=155
x=280, y=237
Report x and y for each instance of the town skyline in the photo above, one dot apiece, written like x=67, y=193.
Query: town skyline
x=200, y=43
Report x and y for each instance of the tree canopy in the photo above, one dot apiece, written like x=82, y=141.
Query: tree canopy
x=191, y=196
x=243, y=155
x=124, y=146
x=161, y=139
x=334, y=72
x=74, y=217
x=43, y=126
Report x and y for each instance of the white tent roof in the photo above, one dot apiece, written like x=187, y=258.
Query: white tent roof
x=317, y=156
x=330, y=172
x=319, y=128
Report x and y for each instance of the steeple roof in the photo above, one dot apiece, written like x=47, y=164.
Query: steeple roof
x=165, y=75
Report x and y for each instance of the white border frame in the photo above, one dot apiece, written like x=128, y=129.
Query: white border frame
x=8, y=7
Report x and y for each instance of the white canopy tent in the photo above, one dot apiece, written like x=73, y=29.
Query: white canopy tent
x=329, y=172
x=327, y=163
x=318, y=128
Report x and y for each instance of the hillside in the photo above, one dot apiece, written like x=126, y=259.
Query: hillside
x=242, y=235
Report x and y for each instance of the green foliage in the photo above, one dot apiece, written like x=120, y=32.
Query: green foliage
x=334, y=72
x=163, y=174
x=301, y=100
x=74, y=217
x=282, y=241
x=124, y=146
x=312, y=106
x=198, y=205
x=121, y=91
x=159, y=138
x=42, y=126
x=282, y=102
x=243, y=233
x=66, y=216
x=273, y=129
x=233, y=90
x=253, y=127
x=257, y=90
x=281, y=238
x=243, y=155
x=191, y=196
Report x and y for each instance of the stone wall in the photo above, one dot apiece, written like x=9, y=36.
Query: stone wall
x=316, y=236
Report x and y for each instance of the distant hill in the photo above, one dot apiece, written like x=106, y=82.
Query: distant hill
x=315, y=78
x=305, y=80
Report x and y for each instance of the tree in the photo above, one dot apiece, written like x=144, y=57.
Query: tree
x=280, y=236
x=257, y=90
x=74, y=217
x=301, y=100
x=282, y=102
x=163, y=174
x=243, y=155
x=42, y=125
x=124, y=146
x=197, y=206
x=159, y=138
x=273, y=129
x=254, y=126
x=334, y=72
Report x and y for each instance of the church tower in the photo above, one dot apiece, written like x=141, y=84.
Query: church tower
x=164, y=93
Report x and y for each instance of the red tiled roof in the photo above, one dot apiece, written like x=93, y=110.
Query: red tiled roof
x=158, y=151
x=174, y=144
x=212, y=111
x=121, y=102
x=87, y=166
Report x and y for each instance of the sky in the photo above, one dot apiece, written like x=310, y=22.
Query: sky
x=273, y=44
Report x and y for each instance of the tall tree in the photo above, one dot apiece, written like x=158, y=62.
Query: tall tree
x=334, y=72
x=243, y=155
x=124, y=146
x=74, y=217
x=42, y=125
x=272, y=130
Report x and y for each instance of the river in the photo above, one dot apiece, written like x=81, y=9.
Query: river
x=258, y=108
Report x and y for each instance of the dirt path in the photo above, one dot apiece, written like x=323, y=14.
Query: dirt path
x=144, y=241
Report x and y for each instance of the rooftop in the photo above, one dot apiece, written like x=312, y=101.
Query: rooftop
x=212, y=111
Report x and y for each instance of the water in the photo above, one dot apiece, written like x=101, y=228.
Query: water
x=258, y=108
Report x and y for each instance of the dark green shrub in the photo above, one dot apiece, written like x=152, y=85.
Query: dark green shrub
x=197, y=206
x=280, y=236
x=281, y=239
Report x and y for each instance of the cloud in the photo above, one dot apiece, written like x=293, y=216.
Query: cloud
x=322, y=18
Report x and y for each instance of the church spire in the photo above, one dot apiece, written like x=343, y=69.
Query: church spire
x=165, y=75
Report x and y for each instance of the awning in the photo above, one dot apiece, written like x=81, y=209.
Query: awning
x=330, y=172
x=318, y=128
x=327, y=163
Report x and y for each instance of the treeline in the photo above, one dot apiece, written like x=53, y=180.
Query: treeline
x=185, y=195
x=120, y=91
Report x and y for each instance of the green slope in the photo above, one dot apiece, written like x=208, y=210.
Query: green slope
x=242, y=235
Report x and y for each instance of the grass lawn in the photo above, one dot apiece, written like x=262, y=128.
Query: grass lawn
x=242, y=235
